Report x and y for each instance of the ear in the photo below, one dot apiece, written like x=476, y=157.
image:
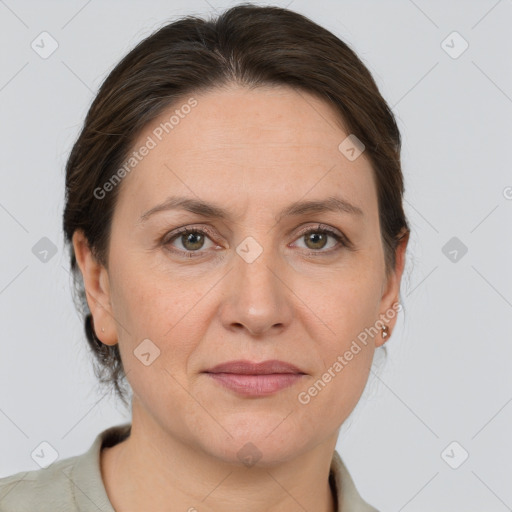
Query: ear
x=391, y=289
x=97, y=289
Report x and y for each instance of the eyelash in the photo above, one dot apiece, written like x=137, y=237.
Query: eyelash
x=320, y=228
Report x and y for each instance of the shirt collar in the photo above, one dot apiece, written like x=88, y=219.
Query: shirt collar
x=347, y=495
x=88, y=487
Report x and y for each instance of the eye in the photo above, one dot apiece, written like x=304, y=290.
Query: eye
x=316, y=239
x=192, y=241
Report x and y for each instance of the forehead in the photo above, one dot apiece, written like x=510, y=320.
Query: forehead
x=268, y=143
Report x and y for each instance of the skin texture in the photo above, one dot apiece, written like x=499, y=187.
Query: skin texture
x=252, y=152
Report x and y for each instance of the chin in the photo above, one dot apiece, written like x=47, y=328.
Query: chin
x=258, y=453
x=255, y=440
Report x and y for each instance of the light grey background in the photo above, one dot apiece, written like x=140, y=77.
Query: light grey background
x=448, y=376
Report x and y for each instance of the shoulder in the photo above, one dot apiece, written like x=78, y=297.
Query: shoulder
x=69, y=485
x=30, y=490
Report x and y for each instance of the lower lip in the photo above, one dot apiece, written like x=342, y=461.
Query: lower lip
x=256, y=385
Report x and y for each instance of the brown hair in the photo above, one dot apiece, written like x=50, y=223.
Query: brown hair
x=247, y=45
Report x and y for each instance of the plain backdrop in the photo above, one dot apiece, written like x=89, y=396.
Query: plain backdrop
x=446, y=387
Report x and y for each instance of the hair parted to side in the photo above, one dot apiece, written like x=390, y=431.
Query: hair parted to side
x=246, y=45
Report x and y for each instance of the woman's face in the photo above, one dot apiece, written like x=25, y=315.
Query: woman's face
x=256, y=284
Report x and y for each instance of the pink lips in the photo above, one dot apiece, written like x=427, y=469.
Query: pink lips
x=255, y=379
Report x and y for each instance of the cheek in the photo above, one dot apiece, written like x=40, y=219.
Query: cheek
x=172, y=311
x=334, y=390
x=348, y=304
x=152, y=307
x=346, y=313
x=150, y=300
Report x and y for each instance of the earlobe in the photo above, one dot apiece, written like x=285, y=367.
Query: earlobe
x=97, y=290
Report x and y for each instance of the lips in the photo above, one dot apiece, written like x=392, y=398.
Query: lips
x=243, y=367
x=249, y=379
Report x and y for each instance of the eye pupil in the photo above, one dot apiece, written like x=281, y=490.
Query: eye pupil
x=189, y=237
x=314, y=237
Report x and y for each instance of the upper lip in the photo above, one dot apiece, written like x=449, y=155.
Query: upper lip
x=244, y=367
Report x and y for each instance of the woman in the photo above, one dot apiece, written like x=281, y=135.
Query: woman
x=234, y=208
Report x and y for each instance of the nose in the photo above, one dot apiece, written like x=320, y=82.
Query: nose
x=257, y=297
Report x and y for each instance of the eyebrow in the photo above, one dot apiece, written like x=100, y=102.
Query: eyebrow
x=210, y=210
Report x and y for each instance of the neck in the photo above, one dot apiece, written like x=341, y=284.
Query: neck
x=150, y=470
